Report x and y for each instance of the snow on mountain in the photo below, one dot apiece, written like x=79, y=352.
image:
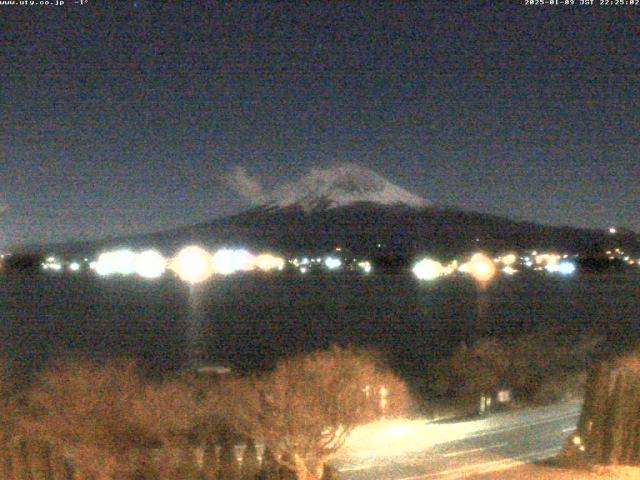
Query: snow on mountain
x=340, y=186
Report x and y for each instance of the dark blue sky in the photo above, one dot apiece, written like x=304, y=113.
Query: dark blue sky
x=119, y=117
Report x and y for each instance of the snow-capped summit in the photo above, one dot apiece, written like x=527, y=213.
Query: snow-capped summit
x=339, y=186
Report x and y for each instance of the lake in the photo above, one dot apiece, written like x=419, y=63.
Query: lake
x=251, y=320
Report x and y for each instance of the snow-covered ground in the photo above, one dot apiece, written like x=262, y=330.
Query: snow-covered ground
x=413, y=449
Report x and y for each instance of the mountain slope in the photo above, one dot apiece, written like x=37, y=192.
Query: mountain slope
x=361, y=227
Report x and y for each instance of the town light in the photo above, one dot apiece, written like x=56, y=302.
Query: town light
x=509, y=270
x=428, y=269
x=150, y=264
x=566, y=268
x=332, y=263
x=267, y=262
x=116, y=262
x=365, y=266
x=549, y=261
x=227, y=261
x=481, y=268
x=509, y=259
x=193, y=264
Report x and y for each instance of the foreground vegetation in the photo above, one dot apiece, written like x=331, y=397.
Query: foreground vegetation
x=538, y=368
x=84, y=421
x=609, y=427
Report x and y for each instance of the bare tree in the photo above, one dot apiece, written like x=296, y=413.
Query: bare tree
x=473, y=371
x=111, y=424
x=305, y=409
x=81, y=410
x=169, y=413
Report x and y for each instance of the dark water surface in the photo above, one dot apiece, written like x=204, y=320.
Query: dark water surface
x=250, y=321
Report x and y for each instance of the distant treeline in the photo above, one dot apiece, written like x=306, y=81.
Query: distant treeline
x=23, y=262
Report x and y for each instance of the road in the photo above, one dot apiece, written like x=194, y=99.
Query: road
x=422, y=450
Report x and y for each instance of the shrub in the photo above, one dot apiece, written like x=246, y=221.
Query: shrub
x=538, y=368
x=108, y=422
x=304, y=410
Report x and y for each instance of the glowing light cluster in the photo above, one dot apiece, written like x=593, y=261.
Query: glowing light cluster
x=509, y=270
x=228, y=261
x=297, y=263
x=428, y=269
x=450, y=268
x=52, y=266
x=116, y=262
x=52, y=263
x=147, y=264
x=365, y=266
x=193, y=264
x=547, y=259
x=332, y=263
x=267, y=262
x=509, y=259
x=481, y=268
x=150, y=264
x=564, y=268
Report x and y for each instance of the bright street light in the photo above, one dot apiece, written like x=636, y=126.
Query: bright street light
x=428, y=269
x=193, y=264
x=481, y=268
x=150, y=264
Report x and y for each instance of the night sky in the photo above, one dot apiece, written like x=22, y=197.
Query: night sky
x=123, y=117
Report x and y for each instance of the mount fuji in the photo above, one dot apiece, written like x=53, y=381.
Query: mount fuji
x=359, y=210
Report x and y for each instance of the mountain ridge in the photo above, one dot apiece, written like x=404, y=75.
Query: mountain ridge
x=361, y=227
x=355, y=208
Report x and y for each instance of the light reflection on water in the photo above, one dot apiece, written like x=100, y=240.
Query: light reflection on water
x=251, y=320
